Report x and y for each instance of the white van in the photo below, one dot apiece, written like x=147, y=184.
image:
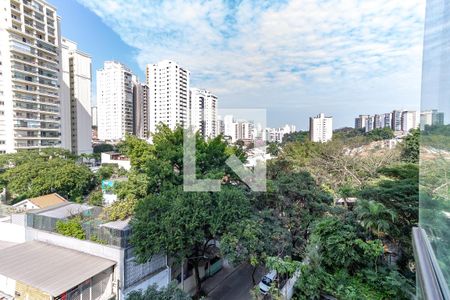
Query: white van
x=266, y=282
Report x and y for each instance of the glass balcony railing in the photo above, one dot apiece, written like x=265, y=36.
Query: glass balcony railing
x=432, y=239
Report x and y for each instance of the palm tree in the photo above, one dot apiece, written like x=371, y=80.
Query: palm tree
x=374, y=217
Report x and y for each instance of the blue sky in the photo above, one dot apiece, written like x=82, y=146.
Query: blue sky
x=296, y=58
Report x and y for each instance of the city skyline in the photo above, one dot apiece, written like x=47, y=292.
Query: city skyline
x=291, y=86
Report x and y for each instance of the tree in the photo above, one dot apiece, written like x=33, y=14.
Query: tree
x=379, y=134
x=103, y=148
x=341, y=262
x=297, y=136
x=244, y=243
x=137, y=150
x=398, y=190
x=374, y=217
x=171, y=292
x=39, y=175
x=411, y=147
x=298, y=201
x=185, y=225
x=120, y=209
x=96, y=198
x=273, y=149
x=254, y=239
x=285, y=267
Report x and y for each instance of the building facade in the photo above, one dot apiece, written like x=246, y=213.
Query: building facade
x=30, y=52
x=409, y=120
x=76, y=120
x=203, y=112
x=321, y=128
x=277, y=134
x=360, y=122
x=396, y=120
x=370, y=122
x=114, y=101
x=168, y=84
x=141, y=103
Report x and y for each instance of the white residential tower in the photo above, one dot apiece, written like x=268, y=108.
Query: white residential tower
x=114, y=101
x=76, y=120
x=321, y=128
x=168, y=84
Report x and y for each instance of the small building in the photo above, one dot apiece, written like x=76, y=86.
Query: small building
x=38, y=270
x=116, y=158
x=350, y=201
x=40, y=202
x=106, y=240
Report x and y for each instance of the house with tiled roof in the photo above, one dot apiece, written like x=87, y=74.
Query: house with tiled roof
x=40, y=202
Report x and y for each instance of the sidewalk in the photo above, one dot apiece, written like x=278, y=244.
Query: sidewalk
x=211, y=283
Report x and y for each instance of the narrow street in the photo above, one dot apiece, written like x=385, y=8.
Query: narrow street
x=237, y=285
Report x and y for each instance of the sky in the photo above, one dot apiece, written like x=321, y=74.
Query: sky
x=295, y=58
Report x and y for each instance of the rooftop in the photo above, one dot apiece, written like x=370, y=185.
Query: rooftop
x=120, y=225
x=64, y=210
x=45, y=201
x=50, y=268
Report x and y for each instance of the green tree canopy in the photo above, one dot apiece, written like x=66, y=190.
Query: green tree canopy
x=185, y=224
x=39, y=173
x=411, y=147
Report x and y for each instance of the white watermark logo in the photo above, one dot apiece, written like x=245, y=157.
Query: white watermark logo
x=238, y=124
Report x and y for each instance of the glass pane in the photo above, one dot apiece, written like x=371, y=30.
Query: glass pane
x=435, y=132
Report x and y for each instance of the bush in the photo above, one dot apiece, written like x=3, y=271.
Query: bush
x=71, y=227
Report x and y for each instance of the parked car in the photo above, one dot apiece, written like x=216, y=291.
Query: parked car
x=266, y=282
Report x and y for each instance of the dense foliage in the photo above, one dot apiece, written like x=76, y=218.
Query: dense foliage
x=359, y=250
x=35, y=173
x=411, y=147
x=346, y=251
x=171, y=292
x=72, y=227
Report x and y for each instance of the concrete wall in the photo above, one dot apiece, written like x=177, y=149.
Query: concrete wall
x=188, y=285
x=161, y=279
x=13, y=233
x=7, y=285
x=288, y=289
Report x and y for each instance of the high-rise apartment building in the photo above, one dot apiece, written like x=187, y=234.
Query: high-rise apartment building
x=245, y=130
x=321, y=128
x=168, y=84
x=360, y=122
x=431, y=117
x=387, y=120
x=396, y=120
x=230, y=127
x=114, y=101
x=220, y=126
x=30, y=54
x=378, y=121
x=409, y=120
x=141, y=102
x=370, y=123
x=203, y=112
x=76, y=120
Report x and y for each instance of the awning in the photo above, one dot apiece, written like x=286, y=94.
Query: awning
x=50, y=268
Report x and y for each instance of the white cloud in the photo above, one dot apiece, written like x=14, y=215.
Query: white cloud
x=254, y=46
